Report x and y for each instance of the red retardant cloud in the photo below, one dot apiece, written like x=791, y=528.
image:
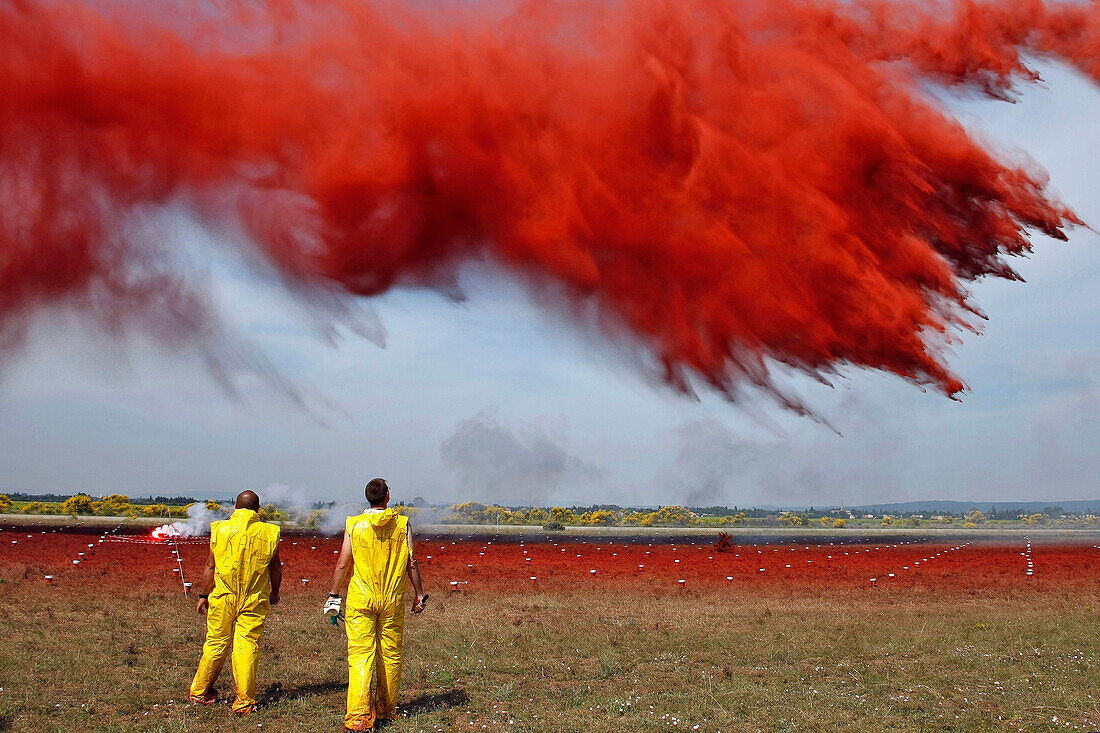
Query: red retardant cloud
x=728, y=182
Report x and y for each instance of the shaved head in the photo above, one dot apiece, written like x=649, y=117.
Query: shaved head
x=248, y=500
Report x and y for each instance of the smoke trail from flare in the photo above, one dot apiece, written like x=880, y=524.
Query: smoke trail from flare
x=728, y=182
x=198, y=522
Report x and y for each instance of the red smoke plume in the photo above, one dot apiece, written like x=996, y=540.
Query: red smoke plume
x=729, y=181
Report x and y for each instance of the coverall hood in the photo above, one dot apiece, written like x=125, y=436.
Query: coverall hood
x=382, y=518
x=244, y=516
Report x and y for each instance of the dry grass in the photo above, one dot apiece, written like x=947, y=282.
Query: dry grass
x=120, y=659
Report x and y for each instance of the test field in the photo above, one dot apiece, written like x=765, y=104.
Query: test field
x=952, y=635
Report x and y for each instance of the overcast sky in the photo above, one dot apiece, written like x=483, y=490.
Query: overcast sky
x=497, y=399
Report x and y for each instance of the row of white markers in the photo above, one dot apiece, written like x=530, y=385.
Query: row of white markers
x=926, y=560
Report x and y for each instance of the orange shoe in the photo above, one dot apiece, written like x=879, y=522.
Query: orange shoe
x=208, y=699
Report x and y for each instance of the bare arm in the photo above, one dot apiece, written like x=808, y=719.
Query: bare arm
x=275, y=571
x=413, y=571
x=343, y=565
x=207, y=584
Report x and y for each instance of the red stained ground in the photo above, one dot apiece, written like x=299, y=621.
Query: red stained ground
x=481, y=564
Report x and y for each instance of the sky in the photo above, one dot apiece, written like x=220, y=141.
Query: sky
x=502, y=399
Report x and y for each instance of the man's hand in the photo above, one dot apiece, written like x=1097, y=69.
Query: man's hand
x=202, y=605
x=273, y=599
x=420, y=601
x=332, y=606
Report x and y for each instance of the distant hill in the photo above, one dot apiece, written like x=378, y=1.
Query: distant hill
x=932, y=506
x=1091, y=506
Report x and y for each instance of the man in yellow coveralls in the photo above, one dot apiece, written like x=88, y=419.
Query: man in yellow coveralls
x=378, y=545
x=241, y=582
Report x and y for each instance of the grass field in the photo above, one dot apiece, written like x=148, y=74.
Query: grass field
x=111, y=646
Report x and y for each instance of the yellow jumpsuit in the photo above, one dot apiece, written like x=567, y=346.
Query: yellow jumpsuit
x=243, y=547
x=375, y=615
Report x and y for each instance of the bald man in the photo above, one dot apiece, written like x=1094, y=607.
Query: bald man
x=241, y=582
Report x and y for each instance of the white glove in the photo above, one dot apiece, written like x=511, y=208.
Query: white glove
x=332, y=606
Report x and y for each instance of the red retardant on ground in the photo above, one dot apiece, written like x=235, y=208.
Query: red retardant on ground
x=628, y=565
x=961, y=566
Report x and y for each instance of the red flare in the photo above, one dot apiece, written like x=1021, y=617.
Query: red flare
x=728, y=182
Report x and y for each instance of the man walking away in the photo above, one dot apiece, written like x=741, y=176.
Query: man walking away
x=241, y=582
x=378, y=546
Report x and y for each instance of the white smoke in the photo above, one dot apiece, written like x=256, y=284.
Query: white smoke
x=329, y=519
x=431, y=515
x=197, y=524
x=297, y=503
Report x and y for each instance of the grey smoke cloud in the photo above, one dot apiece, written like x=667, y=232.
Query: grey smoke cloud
x=515, y=465
x=711, y=463
x=714, y=464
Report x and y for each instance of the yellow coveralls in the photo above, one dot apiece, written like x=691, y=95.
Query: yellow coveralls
x=243, y=547
x=375, y=615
